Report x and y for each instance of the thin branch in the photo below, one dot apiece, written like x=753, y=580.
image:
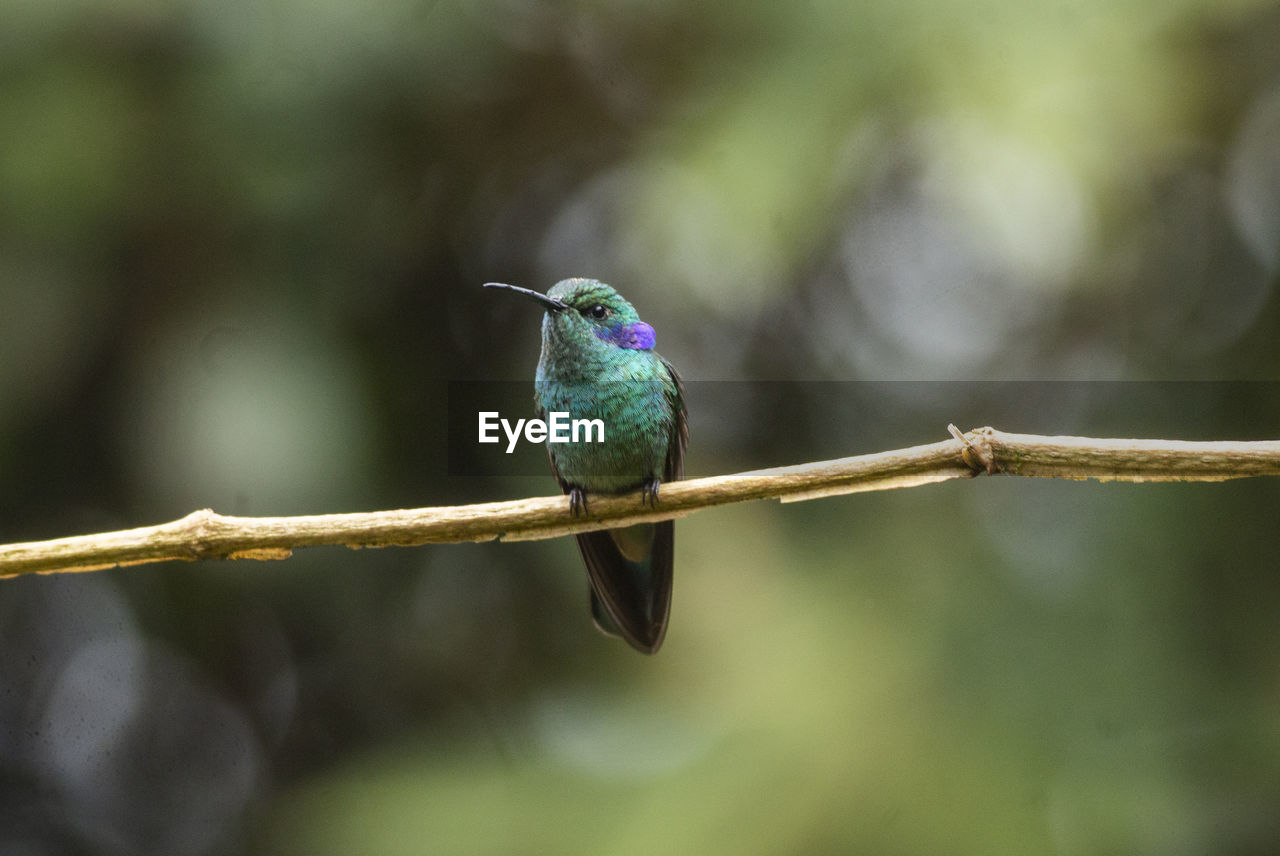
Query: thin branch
x=206, y=535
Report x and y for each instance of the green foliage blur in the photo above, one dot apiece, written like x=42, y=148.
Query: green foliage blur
x=241, y=249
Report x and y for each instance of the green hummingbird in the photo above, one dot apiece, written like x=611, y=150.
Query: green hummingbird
x=598, y=362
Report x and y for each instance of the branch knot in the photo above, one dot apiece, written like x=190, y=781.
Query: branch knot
x=976, y=452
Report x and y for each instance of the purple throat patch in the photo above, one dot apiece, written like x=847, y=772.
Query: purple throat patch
x=638, y=336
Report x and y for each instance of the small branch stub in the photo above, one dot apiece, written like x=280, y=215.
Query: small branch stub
x=977, y=452
x=205, y=534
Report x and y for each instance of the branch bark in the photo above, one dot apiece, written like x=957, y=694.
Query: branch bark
x=207, y=535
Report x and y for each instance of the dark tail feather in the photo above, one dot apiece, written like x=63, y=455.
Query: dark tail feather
x=630, y=574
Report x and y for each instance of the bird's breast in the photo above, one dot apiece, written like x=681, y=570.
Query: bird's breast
x=635, y=418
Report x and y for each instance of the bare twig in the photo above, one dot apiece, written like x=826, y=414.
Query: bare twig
x=206, y=535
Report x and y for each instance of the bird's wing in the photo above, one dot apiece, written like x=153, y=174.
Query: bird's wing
x=673, y=467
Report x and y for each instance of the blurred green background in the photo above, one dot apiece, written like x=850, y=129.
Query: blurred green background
x=241, y=246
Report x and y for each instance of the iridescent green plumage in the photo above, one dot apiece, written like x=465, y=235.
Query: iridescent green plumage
x=598, y=363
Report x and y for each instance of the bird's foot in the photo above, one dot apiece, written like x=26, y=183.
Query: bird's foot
x=649, y=493
x=577, y=501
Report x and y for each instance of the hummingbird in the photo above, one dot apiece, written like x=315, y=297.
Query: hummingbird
x=598, y=362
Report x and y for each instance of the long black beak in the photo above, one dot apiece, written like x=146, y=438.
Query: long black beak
x=553, y=304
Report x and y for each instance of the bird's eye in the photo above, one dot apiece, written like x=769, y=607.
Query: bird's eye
x=598, y=311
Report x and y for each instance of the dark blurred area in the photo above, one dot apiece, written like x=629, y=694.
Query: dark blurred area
x=241, y=249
